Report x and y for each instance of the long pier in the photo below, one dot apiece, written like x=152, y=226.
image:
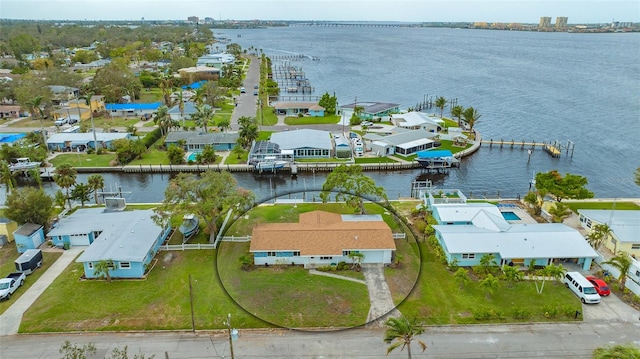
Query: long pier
x=554, y=149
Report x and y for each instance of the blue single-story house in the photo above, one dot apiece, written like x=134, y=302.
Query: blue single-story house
x=188, y=110
x=370, y=110
x=28, y=236
x=82, y=141
x=295, y=108
x=132, y=109
x=196, y=141
x=129, y=239
x=472, y=233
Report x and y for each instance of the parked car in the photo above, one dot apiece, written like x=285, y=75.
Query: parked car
x=72, y=121
x=581, y=287
x=255, y=86
x=243, y=90
x=601, y=286
x=9, y=284
x=367, y=123
x=255, y=93
x=61, y=121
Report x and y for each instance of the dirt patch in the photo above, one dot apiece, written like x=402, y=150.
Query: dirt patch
x=167, y=258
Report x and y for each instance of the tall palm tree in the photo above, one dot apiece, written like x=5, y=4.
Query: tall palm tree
x=599, y=235
x=87, y=99
x=441, y=102
x=6, y=177
x=35, y=110
x=65, y=177
x=248, y=130
x=166, y=86
x=203, y=115
x=224, y=124
x=456, y=111
x=34, y=174
x=162, y=119
x=180, y=101
x=95, y=182
x=402, y=332
x=621, y=261
x=471, y=117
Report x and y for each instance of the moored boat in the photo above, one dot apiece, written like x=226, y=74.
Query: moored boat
x=270, y=164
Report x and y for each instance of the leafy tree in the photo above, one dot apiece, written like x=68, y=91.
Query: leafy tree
x=117, y=353
x=599, y=235
x=23, y=44
x=559, y=212
x=352, y=186
x=116, y=80
x=65, y=177
x=462, y=277
x=512, y=274
x=441, y=102
x=182, y=62
x=59, y=199
x=96, y=183
x=128, y=150
x=81, y=192
x=175, y=154
x=490, y=284
x=401, y=332
x=329, y=103
x=208, y=196
x=208, y=155
x=246, y=261
x=73, y=351
x=471, y=117
x=622, y=262
x=534, y=202
x=456, y=111
x=84, y=56
x=570, y=186
x=29, y=205
x=618, y=351
x=103, y=268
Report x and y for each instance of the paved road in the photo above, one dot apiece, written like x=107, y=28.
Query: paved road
x=463, y=342
x=247, y=102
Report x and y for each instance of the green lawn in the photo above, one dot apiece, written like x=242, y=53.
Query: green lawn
x=152, y=157
x=264, y=135
x=28, y=122
x=575, y=206
x=8, y=255
x=83, y=159
x=307, y=120
x=100, y=122
x=269, y=118
x=232, y=158
x=375, y=160
x=322, y=159
x=153, y=95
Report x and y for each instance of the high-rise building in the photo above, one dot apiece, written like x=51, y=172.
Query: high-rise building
x=561, y=22
x=545, y=22
x=193, y=19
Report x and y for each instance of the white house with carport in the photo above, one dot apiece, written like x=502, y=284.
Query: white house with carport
x=417, y=120
x=322, y=238
x=403, y=142
x=130, y=239
x=624, y=224
x=305, y=143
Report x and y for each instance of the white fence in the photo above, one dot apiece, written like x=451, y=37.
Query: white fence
x=236, y=239
x=184, y=246
x=399, y=235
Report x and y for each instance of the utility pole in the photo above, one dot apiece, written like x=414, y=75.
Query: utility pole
x=228, y=323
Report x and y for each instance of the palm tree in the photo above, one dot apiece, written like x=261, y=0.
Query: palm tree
x=487, y=261
x=556, y=272
x=403, y=331
x=490, y=284
x=87, y=99
x=512, y=274
x=35, y=110
x=34, y=174
x=621, y=261
x=456, y=111
x=462, y=277
x=356, y=259
x=65, y=177
x=102, y=268
x=6, y=177
x=599, y=235
x=81, y=192
x=162, y=119
x=248, y=133
x=441, y=102
x=204, y=114
x=180, y=101
x=166, y=85
x=224, y=124
x=559, y=212
x=471, y=117
x=238, y=150
x=95, y=182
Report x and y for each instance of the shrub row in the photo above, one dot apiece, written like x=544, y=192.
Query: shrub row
x=548, y=311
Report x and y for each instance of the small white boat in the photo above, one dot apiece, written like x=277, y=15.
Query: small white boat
x=22, y=164
x=189, y=227
x=270, y=164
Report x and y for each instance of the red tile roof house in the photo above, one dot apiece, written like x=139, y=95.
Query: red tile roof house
x=322, y=238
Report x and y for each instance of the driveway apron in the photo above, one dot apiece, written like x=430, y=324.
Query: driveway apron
x=379, y=295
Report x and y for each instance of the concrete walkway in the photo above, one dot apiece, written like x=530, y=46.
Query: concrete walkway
x=379, y=295
x=10, y=319
x=316, y=272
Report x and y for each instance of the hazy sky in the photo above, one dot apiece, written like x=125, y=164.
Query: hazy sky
x=526, y=11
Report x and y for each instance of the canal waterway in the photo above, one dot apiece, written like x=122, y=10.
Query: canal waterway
x=526, y=85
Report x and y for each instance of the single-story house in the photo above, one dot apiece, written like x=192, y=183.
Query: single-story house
x=404, y=142
x=462, y=213
x=132, y=109
x=516, y=244
x=7, y=227
x=216, y=60
x=197, y=73
x=130, y=239
x=63, y=93
x=624, y=224
x=77, y=112
x=417, y=120
x=305, y=143
x=371, y=110
x=322, y=238
x=73, y=141
x=196, y=141
x=295, y=108
x=188, y=109
x=10, y=111
x=28, y=236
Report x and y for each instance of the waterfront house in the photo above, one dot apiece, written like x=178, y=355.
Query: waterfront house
x=322, y=238
x=215, y=60
x=132, y=109
x=295, y=108
x=263, y=149
x=404, y=142
x=305, y=143
x=624, y=224
x=130, y=239
x=196, y=141
x=28, y=236
x=417, y=120
x=370, y=110
x=82, y=141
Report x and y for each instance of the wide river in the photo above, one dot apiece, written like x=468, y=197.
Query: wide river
x=531, y=86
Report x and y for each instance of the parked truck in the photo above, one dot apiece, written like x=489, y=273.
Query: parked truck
x=9, y=284
x=29, y=261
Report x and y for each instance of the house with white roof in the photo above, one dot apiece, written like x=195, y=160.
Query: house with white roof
x=469, y=231
x=305, y=143
x=322, y=238
x=417, y=120
x=82, y=141
x=404, y=142
x=624, y=224
x=129, y=239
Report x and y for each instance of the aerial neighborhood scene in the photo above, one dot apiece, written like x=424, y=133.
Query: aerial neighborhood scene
x=319, y=180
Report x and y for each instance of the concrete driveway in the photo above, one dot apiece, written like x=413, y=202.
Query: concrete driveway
x=612, y=309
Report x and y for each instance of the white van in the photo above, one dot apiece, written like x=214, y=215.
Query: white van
x=581, y=287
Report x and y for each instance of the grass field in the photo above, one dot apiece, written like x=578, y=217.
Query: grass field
x=83, y=159
x=575, y=206
x=374, y=160
x=307, y=120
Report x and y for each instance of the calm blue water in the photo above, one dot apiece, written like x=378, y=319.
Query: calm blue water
x=526, y=85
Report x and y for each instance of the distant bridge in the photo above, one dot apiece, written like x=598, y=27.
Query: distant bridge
x=349, y=24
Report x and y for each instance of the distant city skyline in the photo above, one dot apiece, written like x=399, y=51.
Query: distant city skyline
x=523, y=11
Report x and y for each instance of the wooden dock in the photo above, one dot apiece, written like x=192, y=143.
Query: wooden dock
x=554, y=149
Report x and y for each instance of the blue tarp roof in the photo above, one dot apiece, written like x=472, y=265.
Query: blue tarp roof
x=132, y=106
x=434, y=153
x=195, y=85
x=11, y=137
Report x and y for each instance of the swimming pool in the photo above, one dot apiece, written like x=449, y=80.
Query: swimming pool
x=510, y=216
